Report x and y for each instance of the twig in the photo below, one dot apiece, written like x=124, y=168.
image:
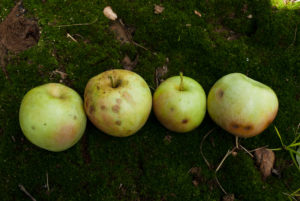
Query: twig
x=201, y=145
x=219, y=184
x=22, y=188
x=81, y=24
x=237, y=142
x=295, y=36
x=47, y=182
x=71, y=37
x=258, y=148
x=226, y=155
x=248, y=152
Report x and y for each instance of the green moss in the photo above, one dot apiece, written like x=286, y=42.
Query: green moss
x=143, y=166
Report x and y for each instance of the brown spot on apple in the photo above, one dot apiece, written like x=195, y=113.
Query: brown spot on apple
x=91, y=109
x=32, y=127
x=172, y=109
x=220, y=93
x=116, y=108
x=248, y=127
x=74, y=117
x=119, y=101
x=103, y=107
x=184, y=121
x=127, y=97
x=98, y=88
x=234, y=125
x=66, y=135
x=118, y=122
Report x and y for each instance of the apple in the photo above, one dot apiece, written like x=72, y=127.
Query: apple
x=179, y=103
x=118, y=102
x=52, y=117
x=241, y=105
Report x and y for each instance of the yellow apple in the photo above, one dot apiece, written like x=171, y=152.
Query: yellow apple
x=118, y=102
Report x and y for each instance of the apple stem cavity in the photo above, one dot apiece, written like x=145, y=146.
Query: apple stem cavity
x=112, y=81
x=181, y=82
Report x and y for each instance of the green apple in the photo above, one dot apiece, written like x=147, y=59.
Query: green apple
x=179, y=103
x=241, y=105
x=52, y=117
x=118, y=102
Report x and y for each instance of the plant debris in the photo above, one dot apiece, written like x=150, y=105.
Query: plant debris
x=158, y=9
x=17, y=34
x=196, y=173
x=128, y=64
x=122, y=32
x=168, y=139
x=228, y=197
x=197, y=13
x=109, y=13
x=265, y=159
x=160, y=72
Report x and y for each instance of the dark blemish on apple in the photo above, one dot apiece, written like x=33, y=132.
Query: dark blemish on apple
x=116, y=108
x=91, y=109
x=74, y=117
x=98, y=88
x=172, y=109
x=118, y=100
x=235, y=125
x=45, y=124
x=118, y=122
x=32, y=127
x=103, y=107
x=247, y=128
x=220, y=93
x=184, y=121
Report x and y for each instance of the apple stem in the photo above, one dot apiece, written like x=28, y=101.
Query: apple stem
x=112, y=81
x=181, y=82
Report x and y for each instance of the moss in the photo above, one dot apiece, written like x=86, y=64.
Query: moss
x=144, y=167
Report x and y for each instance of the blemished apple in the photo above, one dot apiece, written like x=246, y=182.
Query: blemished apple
x=52, y=117
x=179, y=103
x=118, y=102
x=242, y=106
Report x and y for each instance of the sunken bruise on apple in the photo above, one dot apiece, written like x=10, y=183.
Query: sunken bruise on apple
x=52, y=116
x=118, y=102
x=179, y=103
x=241, y=105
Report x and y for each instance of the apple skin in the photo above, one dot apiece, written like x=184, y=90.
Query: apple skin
x=52, y=117
x=242, y=106
x=179, y=111
x=118, y=111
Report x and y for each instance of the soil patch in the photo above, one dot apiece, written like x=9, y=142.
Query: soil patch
x=17, y=33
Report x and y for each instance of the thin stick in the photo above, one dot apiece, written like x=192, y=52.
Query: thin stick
x=72, y=38
x=22, y=188
x=295, y=36
x=201, y=145
x=248, y=152
x=237, y=142
x=258, y=148
x=81, y=24
x=47, y=182
x=227, y=154
x=219, y=184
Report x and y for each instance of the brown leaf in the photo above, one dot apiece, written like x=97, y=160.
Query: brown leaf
x=228, y=197
x=158, y=9
x=128, y=64
x=198, y=13
x=121, y=32
x=265, y=159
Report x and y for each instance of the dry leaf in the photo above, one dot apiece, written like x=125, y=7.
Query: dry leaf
x=228, y=197
x=265, y=159
x=109, y=13
x=158, y=9
x=63, y=75
x=128, y=64
x=160, y=72
x=121, y=32
x=197, y=13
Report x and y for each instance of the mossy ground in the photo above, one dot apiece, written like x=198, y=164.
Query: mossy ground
x=145, y=166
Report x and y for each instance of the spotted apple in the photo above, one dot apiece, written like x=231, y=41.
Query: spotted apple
x=118, y=102
x=179, y=103
x=52, y=117
x=242, y=106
